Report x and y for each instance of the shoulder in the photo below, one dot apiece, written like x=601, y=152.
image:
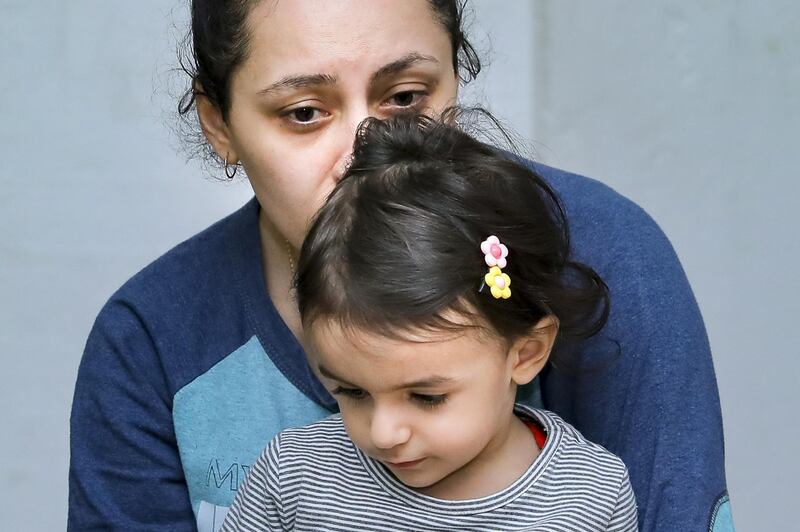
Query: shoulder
x=598, y=215
x=579, y=192
x=630, y=252
x=193, y=272
x=321, y=450
x=327, y=435
x=572, y=451
x=194, y=266
x=149, y=316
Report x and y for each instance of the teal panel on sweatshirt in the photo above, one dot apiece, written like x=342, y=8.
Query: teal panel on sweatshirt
x=226, y=416
x=722, y=520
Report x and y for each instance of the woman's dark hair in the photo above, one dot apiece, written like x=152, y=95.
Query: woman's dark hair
x=396, y=247
x=218, y=42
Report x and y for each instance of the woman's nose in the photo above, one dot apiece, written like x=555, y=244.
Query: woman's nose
x=350, y=124
x=342, y=164
x=388, y=429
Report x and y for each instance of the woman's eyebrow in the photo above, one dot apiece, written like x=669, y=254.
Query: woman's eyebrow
x=300, y=81
x=399, y=65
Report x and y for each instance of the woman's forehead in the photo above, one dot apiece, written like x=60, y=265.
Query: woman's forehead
x=341, y=39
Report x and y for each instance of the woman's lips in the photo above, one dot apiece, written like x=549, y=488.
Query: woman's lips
x=404, y=465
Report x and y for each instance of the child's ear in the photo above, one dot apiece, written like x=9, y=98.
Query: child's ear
x=530, y=353
x=215, y=129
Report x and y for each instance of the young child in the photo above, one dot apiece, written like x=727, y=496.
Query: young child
x=432, y=284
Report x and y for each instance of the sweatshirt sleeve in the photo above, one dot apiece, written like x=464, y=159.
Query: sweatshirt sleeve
x=125, y=469
x=645, y=388
x=258, y=505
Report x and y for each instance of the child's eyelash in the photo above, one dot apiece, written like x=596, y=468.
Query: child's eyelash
x=429, y=401
x=350, y=393
x=424, y=400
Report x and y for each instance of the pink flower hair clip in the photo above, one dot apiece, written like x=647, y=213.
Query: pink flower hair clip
x=495, y=253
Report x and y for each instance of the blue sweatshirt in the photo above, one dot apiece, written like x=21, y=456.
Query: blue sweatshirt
x=189, y=371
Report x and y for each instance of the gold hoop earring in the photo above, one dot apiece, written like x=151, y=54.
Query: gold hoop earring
x=228, y=173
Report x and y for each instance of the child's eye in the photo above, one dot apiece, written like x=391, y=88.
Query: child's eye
x=430, y=401
x=351, y=393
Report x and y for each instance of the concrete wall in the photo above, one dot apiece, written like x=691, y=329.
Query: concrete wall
x=692, y=110
x=92, y=190
x=689, y=108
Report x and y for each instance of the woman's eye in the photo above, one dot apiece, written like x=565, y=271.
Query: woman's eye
x=406, y=98
x=429, y=400
x=304, y=114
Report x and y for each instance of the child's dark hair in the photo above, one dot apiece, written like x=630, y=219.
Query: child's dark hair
x=396, y=248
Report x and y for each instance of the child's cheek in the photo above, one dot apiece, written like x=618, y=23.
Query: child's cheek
x=356, y=423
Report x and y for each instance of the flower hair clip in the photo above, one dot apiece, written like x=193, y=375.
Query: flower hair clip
x=494, y=254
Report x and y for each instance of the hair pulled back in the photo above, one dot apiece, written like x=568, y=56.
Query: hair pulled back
x=396, y=247
x=218, y=41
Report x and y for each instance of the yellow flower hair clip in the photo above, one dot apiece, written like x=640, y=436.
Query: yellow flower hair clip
x=499, y=283
x=495, y=253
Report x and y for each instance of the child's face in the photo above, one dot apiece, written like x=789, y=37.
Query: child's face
x=437, y=411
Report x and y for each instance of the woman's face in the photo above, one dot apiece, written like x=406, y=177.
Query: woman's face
x=315, y=69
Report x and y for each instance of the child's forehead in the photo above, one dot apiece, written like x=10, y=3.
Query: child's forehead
x=367, y=337
x=366, y=340
x=338, y=343
x=441, y=326
x=380, y=364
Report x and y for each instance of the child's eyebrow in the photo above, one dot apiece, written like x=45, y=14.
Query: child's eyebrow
x=331, y=375
x=428, y=382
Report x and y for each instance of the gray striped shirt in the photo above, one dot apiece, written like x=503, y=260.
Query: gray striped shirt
x=314, y=478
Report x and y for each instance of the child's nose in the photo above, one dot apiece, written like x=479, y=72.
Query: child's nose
x=388, y=429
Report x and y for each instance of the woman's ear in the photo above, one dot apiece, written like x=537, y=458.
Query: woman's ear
x=529, y=354
x=214, y=128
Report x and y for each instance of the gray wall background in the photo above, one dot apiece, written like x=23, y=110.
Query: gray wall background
x=689, y=108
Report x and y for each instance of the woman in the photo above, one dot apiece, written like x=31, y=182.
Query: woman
x=197, y=361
